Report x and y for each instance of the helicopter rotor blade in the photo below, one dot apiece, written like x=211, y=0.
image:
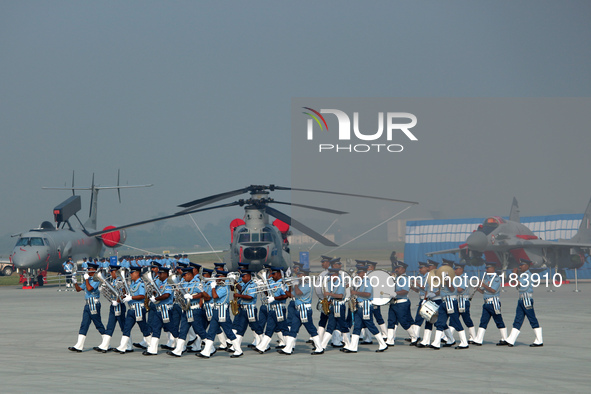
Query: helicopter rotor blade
x=211, y=199
x=300, y=226
x=174, y=215
x=311, y=207
x=275, y=187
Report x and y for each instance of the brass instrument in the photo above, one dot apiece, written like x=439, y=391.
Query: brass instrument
x=106, y=289
x=444, y=272
x=179, y=293
x=325, y=302
x=123, y=277
x=353, y=299
x=263, y=284
x=151, y=288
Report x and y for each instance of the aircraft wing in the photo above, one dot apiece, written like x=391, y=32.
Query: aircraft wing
x=565, y=243
x=456, y=250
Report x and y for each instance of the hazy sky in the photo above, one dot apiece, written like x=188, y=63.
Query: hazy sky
x=195, y=97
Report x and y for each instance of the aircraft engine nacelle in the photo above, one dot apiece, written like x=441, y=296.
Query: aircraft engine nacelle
x=113, y=239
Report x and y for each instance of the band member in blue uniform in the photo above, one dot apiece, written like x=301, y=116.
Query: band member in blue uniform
x=525, y=305
x=490, y=288
x=220, y=297
x=337, y=317
x=136, y=311
x=247, y=301
x=302, y=316
x=276, y=318
x=419, y=287
x=195, y=294
x=325, y=263
x=377, y=311
x=92, y=309
x=399, y=311
x=449, y=309
x=164, y=315
x=464, y=300
x=431, y=294
x=116, y=314
x=363, y=314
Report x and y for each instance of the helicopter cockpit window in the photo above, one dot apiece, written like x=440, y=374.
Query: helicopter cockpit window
x=489, y=225
x=36, y=241
x=244, y=237
x=254, y=237
x=22, y=242
x=266, y=237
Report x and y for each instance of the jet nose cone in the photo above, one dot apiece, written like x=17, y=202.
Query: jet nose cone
x=24, y=259
x=477, y=241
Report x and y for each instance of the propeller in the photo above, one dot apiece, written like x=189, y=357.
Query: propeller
x=328, y=210
x=174, y=215
x=91, y=195
x=300, y=226
x=118, y=189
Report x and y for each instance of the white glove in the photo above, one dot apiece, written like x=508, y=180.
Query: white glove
x=86, y=276
x=213, y=284
x=153, y=299
x=188, y=297
x=114, y=303
x=430, y=295
x=270, y=299
x=74, y=280
x=127, y=298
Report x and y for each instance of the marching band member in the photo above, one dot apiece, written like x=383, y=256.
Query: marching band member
x=325, y=263
x=363, y=315
x=449, y=309
x=247, y=314
x=164, y=314
x=525, y=306
x=464, y=301
x=220, y=298
x=276, y=314
x=116, y=315
x=337, y=335
x=490, y=288
x=337, y=317
x=419, y=287
x=399, y=311
x=92, y=309
x=195, y=295
x=135, y=312
x=432, y=294
x=303, y=315
x=377, y=310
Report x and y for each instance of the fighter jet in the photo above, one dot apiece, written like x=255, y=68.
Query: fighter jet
x=506, y=241
x=48, y=246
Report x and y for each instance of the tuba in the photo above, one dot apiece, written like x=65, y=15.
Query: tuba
x=263, y=285
x=123, y=278
x=106, y=289
x=179, y=293
x=151, y=287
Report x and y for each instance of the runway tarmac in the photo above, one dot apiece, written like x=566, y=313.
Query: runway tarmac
x=37, y=326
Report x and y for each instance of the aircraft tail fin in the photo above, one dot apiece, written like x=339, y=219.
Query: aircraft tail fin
x=584, y=233
x=514, y=213
x=94, y=189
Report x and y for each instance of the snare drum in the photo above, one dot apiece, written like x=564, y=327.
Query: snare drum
x=429, y=311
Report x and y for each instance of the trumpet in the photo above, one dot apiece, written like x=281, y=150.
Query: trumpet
x=179, y=293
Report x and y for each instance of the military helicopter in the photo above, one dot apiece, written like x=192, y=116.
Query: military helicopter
x=47, y=247
x=254, y=239
x=506, y=241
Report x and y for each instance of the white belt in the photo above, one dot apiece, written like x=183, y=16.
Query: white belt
x=400, y=301
x=305, y=306
x=219, y=306
x=452, y=297
x=489, y=300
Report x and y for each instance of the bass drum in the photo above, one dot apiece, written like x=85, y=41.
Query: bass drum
x=385, y=290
